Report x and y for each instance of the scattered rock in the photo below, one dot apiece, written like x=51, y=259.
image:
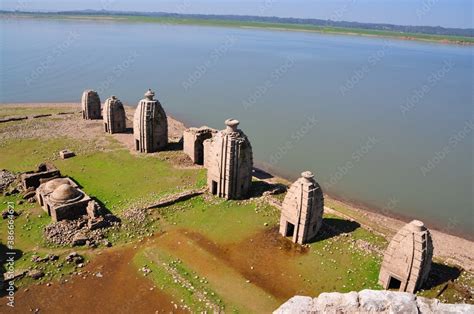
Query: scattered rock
x=79, y=239
x=35, y=274
x=73, y=257
x=6, y=178
x=6, y=213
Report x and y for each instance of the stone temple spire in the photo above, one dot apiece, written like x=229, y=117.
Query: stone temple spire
x=114, y=115
x=150, y=125
x=90, y=104
x=303, y=208
x=407, y=260
x=229, y=161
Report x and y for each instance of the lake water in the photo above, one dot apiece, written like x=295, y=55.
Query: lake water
x=384, y=123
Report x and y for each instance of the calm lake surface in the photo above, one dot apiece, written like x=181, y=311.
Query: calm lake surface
x=384, y=123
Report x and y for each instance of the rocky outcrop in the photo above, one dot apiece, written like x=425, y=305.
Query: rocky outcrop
x=369, y=301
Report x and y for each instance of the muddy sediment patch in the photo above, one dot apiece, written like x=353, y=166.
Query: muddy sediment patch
x=263, y=258
x=109, y=284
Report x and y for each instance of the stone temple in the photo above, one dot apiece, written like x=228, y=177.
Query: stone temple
x=193, y=142
x=90, y=105
x=62, y=199
x=407, y=260
x=229, y=162
x=114, y=116
x=302, y=209
x=150, y=125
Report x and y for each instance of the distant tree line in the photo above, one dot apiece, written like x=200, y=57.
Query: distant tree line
x=430, y=30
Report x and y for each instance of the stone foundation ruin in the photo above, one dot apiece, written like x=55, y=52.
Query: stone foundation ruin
x=229, y=162
x=62, y=199
x=302, y=210
x=150, y=125
x=193, y=142
x=114, y=116
x=407, y=260
x=90, y=105
x=33, y=179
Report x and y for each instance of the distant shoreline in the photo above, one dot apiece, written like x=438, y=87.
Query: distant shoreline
x=271, y=26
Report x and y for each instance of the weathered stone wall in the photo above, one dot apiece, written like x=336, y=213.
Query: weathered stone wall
x=193, y=142
x=302, y=209
x=407, y=260
x=150, y=125
x=114, y=116
x=70, y=211
x=90, y=105
x=229, y=162
x=33, y=179
x=370, y=301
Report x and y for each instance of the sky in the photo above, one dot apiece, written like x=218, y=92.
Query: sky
x=446, y=13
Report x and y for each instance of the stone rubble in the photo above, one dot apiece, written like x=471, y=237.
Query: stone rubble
x=6, y=178
x=77, y=232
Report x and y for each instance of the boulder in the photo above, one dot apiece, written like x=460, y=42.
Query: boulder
x=96, y=223
x=297, y=304
x=35, y=274
x=336, y=302
x=73, y=257
x=387, y=302
x=79, y=239
x=93, y=209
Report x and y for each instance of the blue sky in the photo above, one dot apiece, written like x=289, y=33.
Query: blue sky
x=447, y=13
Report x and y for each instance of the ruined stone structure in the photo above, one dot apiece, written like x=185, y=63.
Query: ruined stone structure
x=407, y=260
x=62, y=199
x=302, y=209
x=370, y=301
x=114, y=116
x=66, y=153
x=150, y=125
x=90, y=105
x=229, y=162
x=193, y=142
x=33, y=179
